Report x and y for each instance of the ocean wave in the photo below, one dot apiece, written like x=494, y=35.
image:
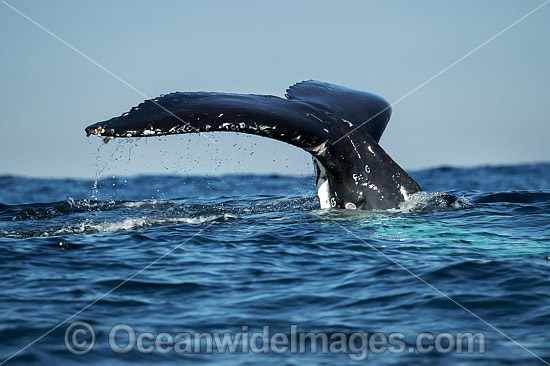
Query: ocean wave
x=138, y=223
x=515, y=197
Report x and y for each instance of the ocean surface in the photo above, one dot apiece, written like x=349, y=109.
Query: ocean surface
x=144, y=262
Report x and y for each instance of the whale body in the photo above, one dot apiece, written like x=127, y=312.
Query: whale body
x=339, y=127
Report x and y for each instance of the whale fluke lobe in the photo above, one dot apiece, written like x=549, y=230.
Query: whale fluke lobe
x=339, y=127
x=350, y=105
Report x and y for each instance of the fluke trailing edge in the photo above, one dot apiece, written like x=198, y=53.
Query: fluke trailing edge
x=339, y=127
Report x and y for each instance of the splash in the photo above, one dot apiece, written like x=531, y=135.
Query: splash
x=423, y=202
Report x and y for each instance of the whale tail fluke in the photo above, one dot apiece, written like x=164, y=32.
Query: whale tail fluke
x=340, y=127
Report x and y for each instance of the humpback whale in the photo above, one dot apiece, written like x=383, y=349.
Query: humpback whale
x=338, y=126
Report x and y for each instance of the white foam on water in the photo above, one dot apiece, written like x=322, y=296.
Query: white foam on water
x=132, y=224
x=437, y=201
x=143, y=203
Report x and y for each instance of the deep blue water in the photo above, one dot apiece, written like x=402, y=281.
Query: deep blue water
x=219, y=253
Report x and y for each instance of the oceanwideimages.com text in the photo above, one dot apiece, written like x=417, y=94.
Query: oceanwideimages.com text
x=80, y=339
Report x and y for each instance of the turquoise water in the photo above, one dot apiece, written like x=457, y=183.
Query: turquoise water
x=174, y=254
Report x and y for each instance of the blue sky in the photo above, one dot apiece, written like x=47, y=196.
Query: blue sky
x=491, y=108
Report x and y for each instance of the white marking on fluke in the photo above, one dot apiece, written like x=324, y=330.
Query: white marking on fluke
x=323, y=189
x=319, y=149
x=348, y=122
